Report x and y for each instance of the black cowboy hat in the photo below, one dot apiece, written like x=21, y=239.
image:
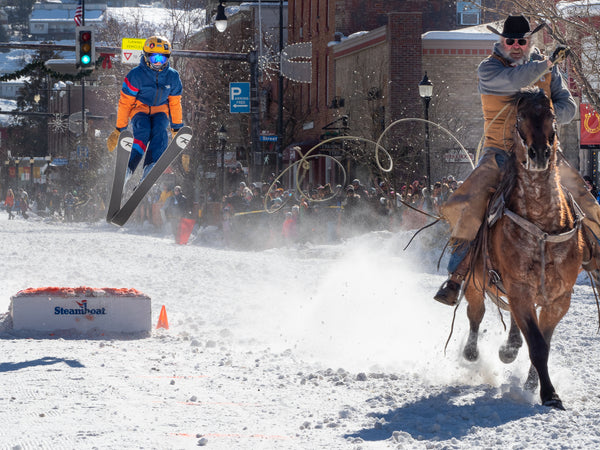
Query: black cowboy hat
x=516, y=27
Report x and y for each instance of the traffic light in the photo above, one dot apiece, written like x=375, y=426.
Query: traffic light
x=85, y=49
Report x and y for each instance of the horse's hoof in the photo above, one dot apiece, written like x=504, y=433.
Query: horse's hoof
x=471, y=353
x=508, y=353
x=555, y=403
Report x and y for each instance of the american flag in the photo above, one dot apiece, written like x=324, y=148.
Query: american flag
x=78, y=14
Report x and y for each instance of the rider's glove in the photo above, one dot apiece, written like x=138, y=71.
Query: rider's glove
x=560, y=54
x=113, y=140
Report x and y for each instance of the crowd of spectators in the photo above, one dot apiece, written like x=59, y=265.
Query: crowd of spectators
x=48, y=202
x=266, y=215
x=259, y=214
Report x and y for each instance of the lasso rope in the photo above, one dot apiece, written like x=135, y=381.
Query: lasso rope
x=303, y=161
x=291, y=166
x=419, y=120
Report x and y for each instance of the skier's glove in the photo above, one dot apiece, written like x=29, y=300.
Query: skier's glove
x=113, y=140
x=560, y=54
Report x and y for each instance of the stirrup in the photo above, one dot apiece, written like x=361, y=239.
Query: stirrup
x=448, y=293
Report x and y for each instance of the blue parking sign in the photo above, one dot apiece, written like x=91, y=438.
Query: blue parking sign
x=239, y=97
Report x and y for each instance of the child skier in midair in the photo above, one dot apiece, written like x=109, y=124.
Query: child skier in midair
x=151, y=99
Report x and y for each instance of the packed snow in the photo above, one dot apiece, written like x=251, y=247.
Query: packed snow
x=331, y=346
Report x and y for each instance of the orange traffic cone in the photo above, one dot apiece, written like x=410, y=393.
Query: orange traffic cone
x=162, y=319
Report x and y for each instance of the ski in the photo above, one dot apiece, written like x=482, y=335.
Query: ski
x=177, y=145
x=123, y=151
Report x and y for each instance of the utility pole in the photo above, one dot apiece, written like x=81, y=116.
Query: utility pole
x=83, y=135
x=279, y=145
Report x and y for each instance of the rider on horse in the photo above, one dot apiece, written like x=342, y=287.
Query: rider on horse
x=514, y=64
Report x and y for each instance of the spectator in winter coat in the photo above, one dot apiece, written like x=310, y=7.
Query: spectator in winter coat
x=9, y=203
x=176, y=207
x=24, y=203
x=290, y=231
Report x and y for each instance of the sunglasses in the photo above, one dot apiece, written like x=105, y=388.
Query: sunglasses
x=158, y=58
x=521, y=42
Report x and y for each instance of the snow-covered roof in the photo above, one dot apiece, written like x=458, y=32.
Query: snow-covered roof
x=152, y=17
x=14, y=60
x=458, y=36
x=474, y=33
x=93, y=14
x=157, y=18
x=7, y=105
x=356, y=35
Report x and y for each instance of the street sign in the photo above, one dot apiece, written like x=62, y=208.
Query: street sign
x=239, y=97
x=267, y=138
x=131, y=50
x=59, y=162
x=83, y=152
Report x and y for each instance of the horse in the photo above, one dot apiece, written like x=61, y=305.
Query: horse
x=529, y=250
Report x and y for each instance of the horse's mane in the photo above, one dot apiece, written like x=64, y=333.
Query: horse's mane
x=531, y=101
x=532, y=92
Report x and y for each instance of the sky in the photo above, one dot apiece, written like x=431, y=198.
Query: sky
x=303, y=347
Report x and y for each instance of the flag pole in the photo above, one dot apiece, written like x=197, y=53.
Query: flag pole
x=83, y=135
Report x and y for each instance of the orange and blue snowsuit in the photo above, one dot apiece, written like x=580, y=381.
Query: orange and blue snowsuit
x=152, y=100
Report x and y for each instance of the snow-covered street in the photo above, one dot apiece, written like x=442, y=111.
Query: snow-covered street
x=331, y=347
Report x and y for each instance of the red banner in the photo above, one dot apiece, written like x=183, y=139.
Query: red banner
x=590, y=125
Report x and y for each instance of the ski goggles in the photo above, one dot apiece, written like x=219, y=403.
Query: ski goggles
x=522, y=42
x=157, y=58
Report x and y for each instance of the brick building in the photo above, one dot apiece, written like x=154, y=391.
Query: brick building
x=374, y=59
x=330, y=21
x=389, y=55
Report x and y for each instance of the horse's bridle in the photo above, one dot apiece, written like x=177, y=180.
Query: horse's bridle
x=543, y=237
x=519, y=118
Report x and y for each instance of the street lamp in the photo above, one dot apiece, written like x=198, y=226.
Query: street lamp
x=222, y=135
x=31, y=164
x=221, y=19
x=17, y=161
x=426, y=91
x=6, y=172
